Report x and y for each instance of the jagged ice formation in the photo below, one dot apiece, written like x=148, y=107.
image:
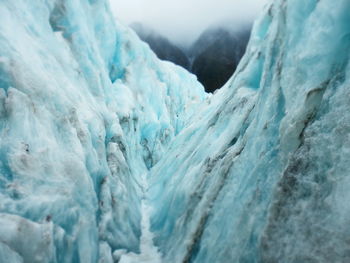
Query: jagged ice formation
x=258, y=172
x=85, y=109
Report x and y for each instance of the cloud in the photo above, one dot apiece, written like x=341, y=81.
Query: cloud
x=184, y=20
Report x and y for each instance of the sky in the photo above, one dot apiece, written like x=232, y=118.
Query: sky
x=183, y=20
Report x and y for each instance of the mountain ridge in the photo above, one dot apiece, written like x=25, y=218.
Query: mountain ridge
x=213, y=57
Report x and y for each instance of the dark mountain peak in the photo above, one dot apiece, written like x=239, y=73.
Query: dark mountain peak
x=216, y=54
x=161, y=46
x=220, y=34
x=213, y=57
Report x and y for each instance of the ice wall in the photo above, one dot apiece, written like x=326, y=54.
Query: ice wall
x=256, y=173
x=262, y=173
x=85, y=109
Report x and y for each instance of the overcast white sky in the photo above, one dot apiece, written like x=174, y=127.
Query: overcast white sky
x=184, y=20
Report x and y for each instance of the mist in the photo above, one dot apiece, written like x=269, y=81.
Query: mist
x=182, y=21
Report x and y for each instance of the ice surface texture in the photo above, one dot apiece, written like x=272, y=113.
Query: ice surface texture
x=262, y=173
x=256, y=173
x=85, y=109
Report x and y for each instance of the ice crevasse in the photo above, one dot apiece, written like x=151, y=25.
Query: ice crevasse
x=258, y=172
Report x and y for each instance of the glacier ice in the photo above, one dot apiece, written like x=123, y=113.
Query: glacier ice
x=261, y=173
x=108, y=154
x=85, y=109
x=148, y=251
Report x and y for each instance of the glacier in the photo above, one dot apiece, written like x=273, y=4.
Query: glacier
x=108, y=154
x=260, y=175
x=85, y=110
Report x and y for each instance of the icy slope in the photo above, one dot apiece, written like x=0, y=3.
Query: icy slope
x=85, y=109
x=258, y=173
x=262, y=173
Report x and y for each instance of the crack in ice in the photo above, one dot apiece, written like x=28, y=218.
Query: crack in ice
x=149, y=252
